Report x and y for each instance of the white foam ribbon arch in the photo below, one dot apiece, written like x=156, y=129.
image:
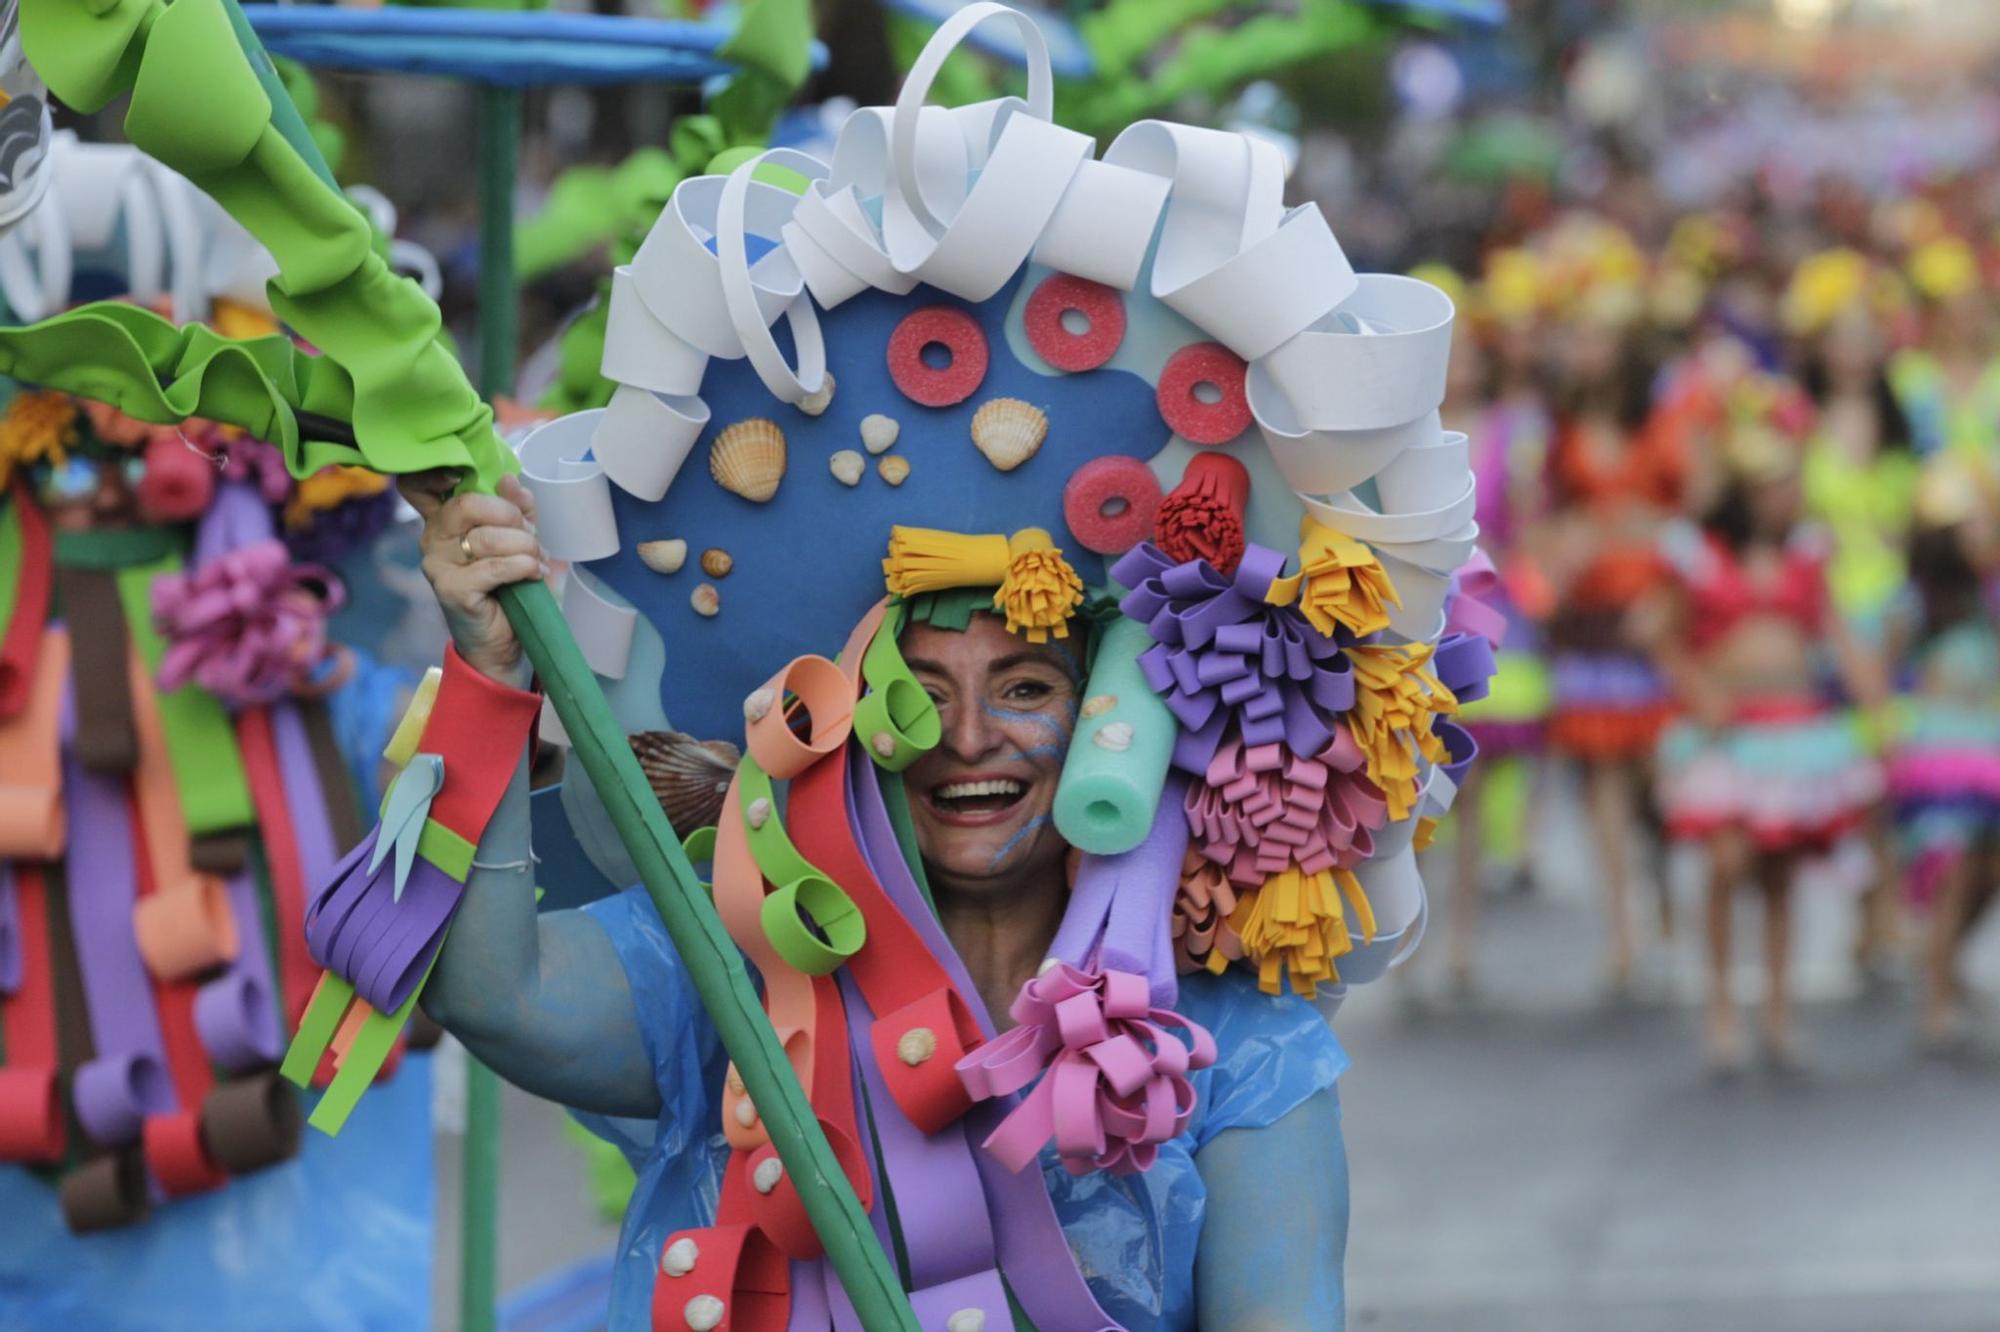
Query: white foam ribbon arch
x=36, y=261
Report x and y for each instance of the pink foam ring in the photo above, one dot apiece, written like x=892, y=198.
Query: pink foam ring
x=1079, y=1123
x=964, y=342
x=1117, y=482
x=1194, y=420
x=1126, y=995
x=1102, y=308
x=1123, y=1061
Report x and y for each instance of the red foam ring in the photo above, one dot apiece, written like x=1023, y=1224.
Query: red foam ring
x=1101, y=306
x=734, y=1264
x=1192, y=419
x=177, y=1156
x=959, y=334
x=1102, y=482
x=32, y=1129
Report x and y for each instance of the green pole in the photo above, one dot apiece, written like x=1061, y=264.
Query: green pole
x=499, y=140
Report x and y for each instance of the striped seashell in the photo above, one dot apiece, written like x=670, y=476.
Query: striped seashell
x=689, y=777
x=748, y=459
x=1009, y=431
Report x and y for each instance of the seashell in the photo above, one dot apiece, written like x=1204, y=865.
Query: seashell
x=748, y=459
x=689, y=777
x=680, y=1257
x=663, y=556
x=736, y=1081
x=704, y=1313
x=767, y=1174
x=757, y=704
x=878, y=432
x=1097, y=705
x=895, y=469
x=705, y=599
x=757, y=813
x=746, y=1113
x=820, y=399
x=846, y=466
x=716, y=562
x=1009, y=431
x=916, y=1045
x=883, y=743
x=966, y=1320
x=1114, y=736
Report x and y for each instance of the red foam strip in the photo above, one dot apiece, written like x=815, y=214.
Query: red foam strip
x=480, y=726
x=1192, y=419
x=1102, y=306
x=959, y=334
x=1114, y=480
x=31, y=1118
x=297, y=974
x=22, y=644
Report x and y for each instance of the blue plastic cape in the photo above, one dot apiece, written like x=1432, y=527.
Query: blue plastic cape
x=337, y=1240
x=1135, y=1235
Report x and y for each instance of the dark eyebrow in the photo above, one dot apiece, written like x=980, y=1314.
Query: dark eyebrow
x=1009, y=662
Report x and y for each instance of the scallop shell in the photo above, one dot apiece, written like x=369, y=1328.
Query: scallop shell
x=663, y=556
x=1098, y=704
x=1009, y=431
x=707, y=602
x=879, y=432
x=895, y=468
x=748, y=459
x=847, y=466
x=1114, y=736
x=818, y=401
x=716, y=562
x=689, y=777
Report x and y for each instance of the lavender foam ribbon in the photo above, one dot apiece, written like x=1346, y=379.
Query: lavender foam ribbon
x=236, y=1013
x=357, y=929
x=126, y=1080
x=10, y=931
x=1222, y=652
x=1121, y=908
x=1034, y=1254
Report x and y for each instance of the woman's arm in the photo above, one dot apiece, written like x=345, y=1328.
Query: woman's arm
x=542, y=1000
x=1275, y=1233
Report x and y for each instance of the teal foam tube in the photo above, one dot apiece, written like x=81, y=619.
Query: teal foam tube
x=1117, y=764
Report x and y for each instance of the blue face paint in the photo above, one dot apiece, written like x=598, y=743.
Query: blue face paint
x=1012, y=717
x=1021, y=834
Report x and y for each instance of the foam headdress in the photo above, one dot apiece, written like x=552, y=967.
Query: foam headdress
x=968, y=353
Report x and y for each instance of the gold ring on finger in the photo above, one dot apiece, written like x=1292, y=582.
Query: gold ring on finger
x=465, y=548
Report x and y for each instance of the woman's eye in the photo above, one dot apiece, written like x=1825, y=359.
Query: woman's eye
x=1028, y=691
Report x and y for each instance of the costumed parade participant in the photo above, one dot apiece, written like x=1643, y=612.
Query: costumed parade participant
x=1860, y=481
x=1757, y=769
x=1616, y=476
x=1494, y=392
x=1133, y=562
x=1944, y=768
x=1949, y=384
x=177, y=769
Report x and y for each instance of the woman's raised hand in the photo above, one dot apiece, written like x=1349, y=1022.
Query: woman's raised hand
x=474, y=545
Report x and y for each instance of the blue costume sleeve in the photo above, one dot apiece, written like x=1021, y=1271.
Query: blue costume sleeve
x=678, y=1159
x=1273, y=1052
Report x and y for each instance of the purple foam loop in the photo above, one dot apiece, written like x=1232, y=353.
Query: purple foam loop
x=357, y=929
x=1464, y=664
x=1462, y=747
x=113, y=1095
x=237, y=1021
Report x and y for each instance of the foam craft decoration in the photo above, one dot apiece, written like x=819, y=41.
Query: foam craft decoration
x=761, y=302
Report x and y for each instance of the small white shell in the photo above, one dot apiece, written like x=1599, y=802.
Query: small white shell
x=818, y=401
x=895, y=468
x=705, y=599
x=1009, y=431
x=916, y=1045
x=758, y=812
x=663, y=556
x=883, y=743
x=879, y=432
x=767, y=1174
x=1114, y=736
x=847, y=466
x=757, y=704
x=704, y=1313
x=735, y=1081
x=966, y=1320
x=746, y=1113
x=1097, y=705
x=680, y=1257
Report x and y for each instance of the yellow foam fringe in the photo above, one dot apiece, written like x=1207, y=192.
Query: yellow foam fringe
x=1038, y=591
x=1396, y=696
x=38, y=427
x=1295, y=925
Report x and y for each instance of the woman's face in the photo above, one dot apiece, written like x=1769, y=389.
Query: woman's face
x=981, y=800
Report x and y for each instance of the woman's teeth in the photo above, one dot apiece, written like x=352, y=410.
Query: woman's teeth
x=988, y=796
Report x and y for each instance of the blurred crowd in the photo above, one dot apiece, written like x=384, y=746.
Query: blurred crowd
x=1738, y=475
